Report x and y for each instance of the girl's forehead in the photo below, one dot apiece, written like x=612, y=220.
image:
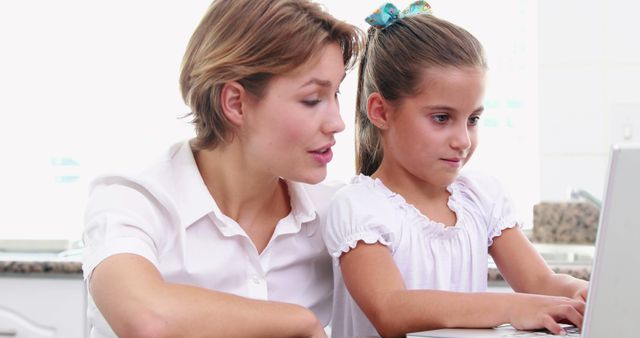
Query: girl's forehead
x=434, y=73
x=443, y=78
x=448, y=87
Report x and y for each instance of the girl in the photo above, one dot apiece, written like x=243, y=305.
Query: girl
x=220, y=238
x=411, y=234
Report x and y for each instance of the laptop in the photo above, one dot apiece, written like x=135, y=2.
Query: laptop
x=613, y=303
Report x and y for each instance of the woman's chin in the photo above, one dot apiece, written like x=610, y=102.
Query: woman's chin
x=314, y=176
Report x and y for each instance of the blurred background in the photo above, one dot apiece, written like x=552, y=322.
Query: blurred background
x=90, y=87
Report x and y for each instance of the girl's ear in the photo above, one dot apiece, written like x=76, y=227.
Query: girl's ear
x=231, y=99
x=378, y=111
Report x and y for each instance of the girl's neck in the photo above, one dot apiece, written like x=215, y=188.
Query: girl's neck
x=408, y=185
x=430, y=199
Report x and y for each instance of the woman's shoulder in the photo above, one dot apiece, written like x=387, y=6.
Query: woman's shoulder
x=153, y=185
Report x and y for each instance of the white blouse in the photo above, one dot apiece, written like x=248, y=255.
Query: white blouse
x=167, y=215
x=428, y=254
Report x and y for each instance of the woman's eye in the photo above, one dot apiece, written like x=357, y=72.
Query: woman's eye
x=310, y=103
x=441, y=118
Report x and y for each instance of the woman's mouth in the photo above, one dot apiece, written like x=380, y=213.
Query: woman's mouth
x=454, y=161
x=322, y=155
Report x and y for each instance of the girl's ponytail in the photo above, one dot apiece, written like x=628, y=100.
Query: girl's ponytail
x=368, y=141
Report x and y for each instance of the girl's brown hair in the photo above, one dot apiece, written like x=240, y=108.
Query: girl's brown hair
x=250, y=41
x=393, y=65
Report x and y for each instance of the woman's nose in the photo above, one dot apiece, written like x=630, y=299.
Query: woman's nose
x=334, y=123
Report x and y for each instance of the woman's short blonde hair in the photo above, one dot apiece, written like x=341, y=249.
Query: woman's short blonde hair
x=250, y=41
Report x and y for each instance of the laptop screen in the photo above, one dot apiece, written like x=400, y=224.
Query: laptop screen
x=613, y=304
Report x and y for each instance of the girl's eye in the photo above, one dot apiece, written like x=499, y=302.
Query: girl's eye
x=473, y=120
x=440, y=118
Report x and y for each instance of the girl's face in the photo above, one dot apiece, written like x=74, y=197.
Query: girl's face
x=433, y=134
x=289, y=131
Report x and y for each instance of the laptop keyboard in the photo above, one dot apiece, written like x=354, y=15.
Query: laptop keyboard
x=571, y=331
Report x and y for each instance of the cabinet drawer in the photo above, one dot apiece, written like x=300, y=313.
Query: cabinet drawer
x=42, y=307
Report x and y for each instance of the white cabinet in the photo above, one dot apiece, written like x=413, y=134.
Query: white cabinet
x=35, y=307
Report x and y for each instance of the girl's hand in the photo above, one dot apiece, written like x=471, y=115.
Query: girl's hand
x=529, y=312
x=315, y=329
x=581, y=294
x=318, y=332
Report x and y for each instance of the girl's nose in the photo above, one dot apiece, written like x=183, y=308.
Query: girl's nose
x=461, y=139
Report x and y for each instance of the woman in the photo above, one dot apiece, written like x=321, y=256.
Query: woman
x=220, y=237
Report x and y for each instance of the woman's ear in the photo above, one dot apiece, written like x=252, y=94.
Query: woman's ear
x=378, y=111
x=231, y=98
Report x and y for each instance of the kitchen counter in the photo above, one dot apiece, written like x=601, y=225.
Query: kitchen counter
x=578, y=271
x=70, y=265
x=571, y=259
x=66, y=264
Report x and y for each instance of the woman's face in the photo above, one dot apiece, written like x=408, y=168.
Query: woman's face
x=289, y=131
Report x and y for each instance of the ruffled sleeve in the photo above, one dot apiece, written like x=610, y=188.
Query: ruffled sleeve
x=495, y=206
x=358, y=213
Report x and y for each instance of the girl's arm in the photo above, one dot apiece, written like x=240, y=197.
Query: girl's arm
x=526, y=271
x=137, y=302
x=374, y=282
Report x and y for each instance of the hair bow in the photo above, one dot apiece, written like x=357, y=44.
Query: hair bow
x=388, y=13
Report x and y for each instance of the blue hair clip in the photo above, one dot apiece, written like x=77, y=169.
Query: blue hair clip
x=388, y=13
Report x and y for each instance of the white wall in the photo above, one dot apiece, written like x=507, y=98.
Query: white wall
x=589, y=66
x=85, y=88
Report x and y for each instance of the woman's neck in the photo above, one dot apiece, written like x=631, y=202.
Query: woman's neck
x=254, y=199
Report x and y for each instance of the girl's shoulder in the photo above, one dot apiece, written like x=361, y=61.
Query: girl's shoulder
x=363, y=210
x=364, y=193
x=483, y=196
x=477, y=185
x=321, y=194
x=476, y=190
x=366, y=189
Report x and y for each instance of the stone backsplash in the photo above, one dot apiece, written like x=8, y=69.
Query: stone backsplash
x=565, y=222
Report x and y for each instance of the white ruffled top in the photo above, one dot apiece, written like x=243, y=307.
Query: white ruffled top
x=428, y=254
